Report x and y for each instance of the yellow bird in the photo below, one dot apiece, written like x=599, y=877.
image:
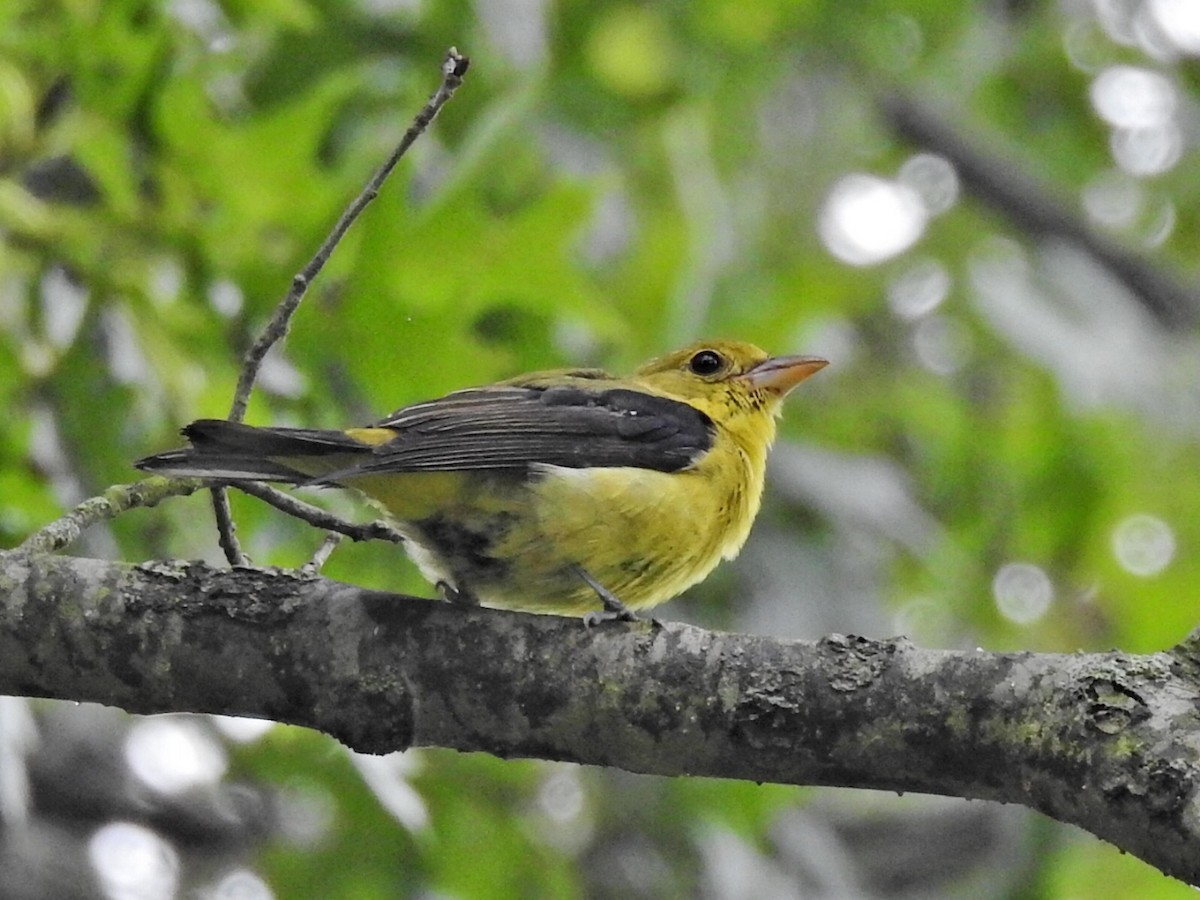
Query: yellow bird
x=559, y=491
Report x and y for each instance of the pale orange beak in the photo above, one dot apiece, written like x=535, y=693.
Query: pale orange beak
x=780, y=374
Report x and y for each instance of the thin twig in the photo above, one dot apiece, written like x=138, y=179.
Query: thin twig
x=314, y=565
x=115, y=500
x=314, y=515
x=453, y=68
x=227, y=529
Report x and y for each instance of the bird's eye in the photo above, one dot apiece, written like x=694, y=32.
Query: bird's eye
x=706, y=362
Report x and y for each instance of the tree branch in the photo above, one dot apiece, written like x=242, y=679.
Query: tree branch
x=115, y=500
x=377, y=530
x=1110, y=741
x=1006, y=185
x=226, y=528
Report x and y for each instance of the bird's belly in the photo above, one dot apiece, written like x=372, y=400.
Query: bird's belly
x=455, y=523
x=645, y=535
x=516, y=542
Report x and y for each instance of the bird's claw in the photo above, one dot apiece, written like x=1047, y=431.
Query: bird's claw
x=458, y=597
x=614, y=610
x=598, y=616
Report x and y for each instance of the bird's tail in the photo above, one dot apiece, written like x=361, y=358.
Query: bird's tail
x=231, y=451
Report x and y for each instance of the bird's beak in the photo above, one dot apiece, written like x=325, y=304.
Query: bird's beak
x=780, y=374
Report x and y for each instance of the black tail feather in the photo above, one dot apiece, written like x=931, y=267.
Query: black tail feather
x=232, y=451
x=192, y=463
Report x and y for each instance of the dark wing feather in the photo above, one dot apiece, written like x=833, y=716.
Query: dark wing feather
x=514, y=427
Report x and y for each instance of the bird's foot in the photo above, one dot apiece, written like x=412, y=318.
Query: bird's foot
x=614, y=610
x=457, y=596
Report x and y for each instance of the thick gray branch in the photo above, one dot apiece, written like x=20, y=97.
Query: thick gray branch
x=1110, y=742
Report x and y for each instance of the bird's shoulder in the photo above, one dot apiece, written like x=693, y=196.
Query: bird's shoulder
x=583, y=377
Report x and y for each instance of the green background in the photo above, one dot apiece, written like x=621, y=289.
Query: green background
x=614, y=180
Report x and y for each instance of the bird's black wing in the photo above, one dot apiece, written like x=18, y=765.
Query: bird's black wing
x=515, y=427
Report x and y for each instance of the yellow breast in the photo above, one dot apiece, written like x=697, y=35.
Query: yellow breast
x=645, y=535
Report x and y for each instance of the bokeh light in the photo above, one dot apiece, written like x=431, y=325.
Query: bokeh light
x=942, y=344
x=1133, y=97
x=1147, y=151
x=173, y=755
x=64, y=302
x=133, y=863
x=562, y=802
x=919, y=290
x=307, y=812
x=226, y=298
x=1141, y=105
x=1143, y=544
x=1023, y=592
x=242, y=729
x=933, y=178
x=1113, y=199
x=240, y=884
x=867, y=219
x=388, y=777
x=1179, y=21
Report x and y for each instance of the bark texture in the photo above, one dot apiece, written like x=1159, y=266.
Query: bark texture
x=1109, y=742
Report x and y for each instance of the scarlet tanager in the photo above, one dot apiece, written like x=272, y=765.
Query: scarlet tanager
x=559, y=491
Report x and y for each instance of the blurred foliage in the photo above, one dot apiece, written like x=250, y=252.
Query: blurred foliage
x=614, y=179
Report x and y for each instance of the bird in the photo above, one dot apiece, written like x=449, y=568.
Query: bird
x=567, y=491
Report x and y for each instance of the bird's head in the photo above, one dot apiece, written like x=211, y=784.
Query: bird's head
x=728, y=374
x=737, y=385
